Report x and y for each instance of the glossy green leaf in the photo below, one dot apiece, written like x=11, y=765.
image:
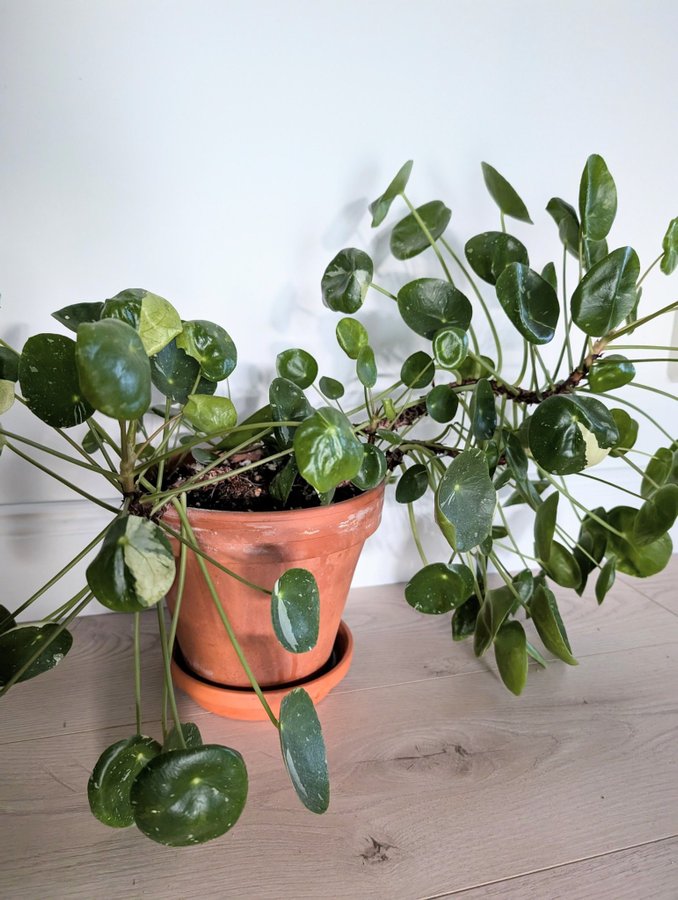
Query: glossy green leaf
x=536, y=655
x=569, y=433
x=466, y=500
x=628, y=431
x=594, y=252
x=159, y=323
x=593, y=540
x=366, y=367
x=190, y=796
x=611, y=372
x=413, y=484
x=351, y=337
x=6, y=398
x=19, y=644
x=373, y=469
x=546, y=617
x=113, y=367
x=297, y=366
x=211, y=346
x=125, y=306
x=523, y=582
x=495, y=607
x=283, y=482
x=656, y=516
x=669, y=260
x=331, y=388
x=134, y=567
x=303, y=750
x=191, y=735
x=380, y=207
x=428, y=304
x=72, y=316
x=483, y=412
x=450, y=347
x=562, y=566
x=7, y=620
x=545, y=526
x=210, y=415
x=49, y=381
x=9, y=364
x=346, y=280
x=661, y=469
x=605, y=579
x=530, y=303
x=510, y=652
x=295, y=610
x=418, y=370
x=548, y=273
x=504, y=195
x=288, y=403
x=408, y=238
x=442, y=404
x=607, y=293
x=439, y=588
x=516, y=461
x=565, y=217
x=641, y=561
x=108, y=790
x=327, y=450
x=175, y=374
x=490, y=253
x=597, y=199
x=464, y=619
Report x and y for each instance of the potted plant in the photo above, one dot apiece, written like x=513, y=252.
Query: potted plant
x=142, y=381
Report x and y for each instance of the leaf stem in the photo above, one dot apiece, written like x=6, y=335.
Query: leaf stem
x=137, y=670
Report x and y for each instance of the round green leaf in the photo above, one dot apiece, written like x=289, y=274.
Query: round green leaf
x=295, y=610
x=656, y=516
x=545, y=526
x=9, y=364
x=546, y=617
x=607, y=293
x=611, y=372
x=191, y=735
x=211, y=346
x=190, y=796
x=450, y=347
x=18, y=646
x=175, y=374
x=114, y=370
x=466, y=500
x=331, y=388
x=352, y=337
x=408, y=239
x=413, y=484
x=669, y=260
x=373, y=469
x=562, y=566
x=134, y=568
x=565, y=217
x=529, y=301
x=327, y=450
x=464, y=619
x=569, y=433
x=439, y=588
x=288, y=403
x=210, y=414
x=159, y=323
x=606, y=578
x=597, y=199
x=427, y=304
x=510, y=652
x=628, y=431
x=346, y=280
x=297, y=366
x=366, y=367
x=483, y=411
x=489, y=253
x=418, y=370
x=504, y=195
x=442, y=404
x=380, y=207
x=548, y=273
x=72, y=316
x=594, y=252
x=303, y=750
x=641, y=561
x=49, y=381
x=496, y=606
x=108, y=790
x=661, y=469
x=125, y=306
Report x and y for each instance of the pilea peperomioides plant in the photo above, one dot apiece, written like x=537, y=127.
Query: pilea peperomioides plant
x=140, y=382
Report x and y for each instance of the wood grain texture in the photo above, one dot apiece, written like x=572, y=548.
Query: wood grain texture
x=662, y=589
x=441, y=781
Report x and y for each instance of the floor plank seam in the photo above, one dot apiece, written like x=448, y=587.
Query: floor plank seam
x=544, y=869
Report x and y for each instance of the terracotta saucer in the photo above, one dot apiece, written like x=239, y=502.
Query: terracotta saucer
x=243, y=703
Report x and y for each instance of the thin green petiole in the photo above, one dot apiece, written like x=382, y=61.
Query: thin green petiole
x=137, y=669
x=383, y=291
x=167, y=667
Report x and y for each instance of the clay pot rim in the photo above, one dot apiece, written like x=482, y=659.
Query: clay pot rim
x=281, y=515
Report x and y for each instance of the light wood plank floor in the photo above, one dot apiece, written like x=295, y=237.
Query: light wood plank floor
x=442, y=783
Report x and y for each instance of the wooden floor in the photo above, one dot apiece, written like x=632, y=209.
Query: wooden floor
x=442, y=782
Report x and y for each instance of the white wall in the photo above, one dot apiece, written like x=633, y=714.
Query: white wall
x=220, y=153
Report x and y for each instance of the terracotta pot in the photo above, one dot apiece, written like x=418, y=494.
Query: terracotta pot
x=257, y=546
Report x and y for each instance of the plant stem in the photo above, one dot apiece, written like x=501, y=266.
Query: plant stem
x=167, y=667
x=648, y=270
x=137, y=669
x=383, y=291
x=576, y=502
x=92, y=467
x=638, y=409
x=434, y=246
x=610, y=484
x=415, y=533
